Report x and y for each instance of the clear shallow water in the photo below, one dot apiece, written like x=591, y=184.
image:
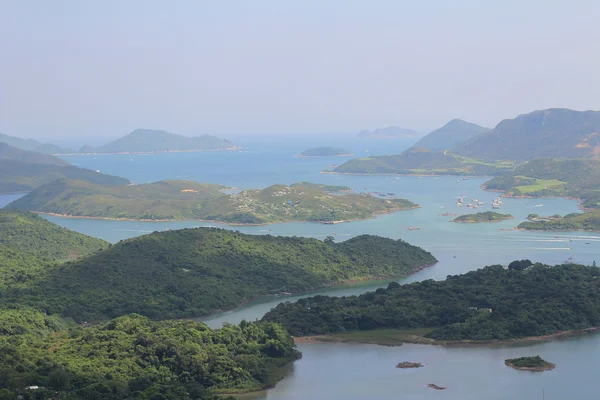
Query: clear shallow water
x=354, y=371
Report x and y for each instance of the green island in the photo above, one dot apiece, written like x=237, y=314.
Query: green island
x=422, y=161
x=181, y=200
x=189, y=272
x=22, y=171
x=487, y=216
x=326, y=152
x=132, y=357
x=490, y=304
x=535, y=363
x=156, y=141
x=589, y=221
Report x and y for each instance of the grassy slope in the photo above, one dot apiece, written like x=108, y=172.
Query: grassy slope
x=38, y=237
x=192, y=200
x=191, y=272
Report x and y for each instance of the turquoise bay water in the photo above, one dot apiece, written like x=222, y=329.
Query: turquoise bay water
x=355, y=371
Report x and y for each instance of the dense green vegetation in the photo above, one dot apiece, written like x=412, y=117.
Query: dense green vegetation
x=487, y=216
x=530, y=363
x=192, y=272
x=450, y=135
x=325, y=152
x=388, y=132
x=176, y=199
x=133, y=358
x=419, y=160
x=151, y=141
x=38, y=237
x=546, y=133
x=589, y=221
x=33, y=145
x=487, y=304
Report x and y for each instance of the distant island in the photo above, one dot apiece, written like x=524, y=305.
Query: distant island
x=389, y=132
x=535, y=363
x=22, y=171
x=156, y=141
x=188, y=200
x=326, y=152
x=479, y=306
x=487, y=216
x=422, y=161
x=33, y=145
x=450, y=135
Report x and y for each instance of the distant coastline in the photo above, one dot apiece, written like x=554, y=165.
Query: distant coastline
x=332, y=155
x=152, y=152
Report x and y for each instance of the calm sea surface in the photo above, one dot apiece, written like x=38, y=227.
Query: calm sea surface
x=355, y=371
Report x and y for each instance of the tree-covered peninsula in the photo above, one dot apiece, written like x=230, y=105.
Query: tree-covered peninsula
x=179, y=200
x=193, y=272
x=492, y=303
x=487, y=216
x=325, y=152
x=133, y=358
x=33, y=234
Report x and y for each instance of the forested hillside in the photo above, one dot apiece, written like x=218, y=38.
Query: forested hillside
x=33, y=145
x=38, y=237
x=192, y=272
x=487, y=304
x=133, y=358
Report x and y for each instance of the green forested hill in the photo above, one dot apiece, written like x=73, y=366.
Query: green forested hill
x=589, y=221
x=450, y=135
x=192, y=272
x=490, y=303
x=176, y=200
x=419, y=160
x=150, y=141
x=36, y=236
x=33, y=145
x=133, y=358
x=555, y=132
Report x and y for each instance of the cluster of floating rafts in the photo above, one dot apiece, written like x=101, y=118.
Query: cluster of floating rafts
x=476, y=203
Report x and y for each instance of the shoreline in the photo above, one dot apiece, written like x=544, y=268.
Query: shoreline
x=415, y=339
x=403, y=174
x=148, y=152
x=221, y=222
x=331, y=155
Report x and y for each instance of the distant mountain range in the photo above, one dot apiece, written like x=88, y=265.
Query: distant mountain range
x=450, y=135
x=555, y=132
x=33, y=145
x=389, y=132
x=152, y=141
x=459, y=145
x=22, y=171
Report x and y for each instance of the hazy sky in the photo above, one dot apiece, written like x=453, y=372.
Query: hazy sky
x=104, y=68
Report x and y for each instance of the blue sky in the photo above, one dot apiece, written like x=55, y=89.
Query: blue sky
x=104, y=68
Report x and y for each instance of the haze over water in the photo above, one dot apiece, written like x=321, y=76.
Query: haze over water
x=355, y=371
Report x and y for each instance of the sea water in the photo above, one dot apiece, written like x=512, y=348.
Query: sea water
x=359, y=371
